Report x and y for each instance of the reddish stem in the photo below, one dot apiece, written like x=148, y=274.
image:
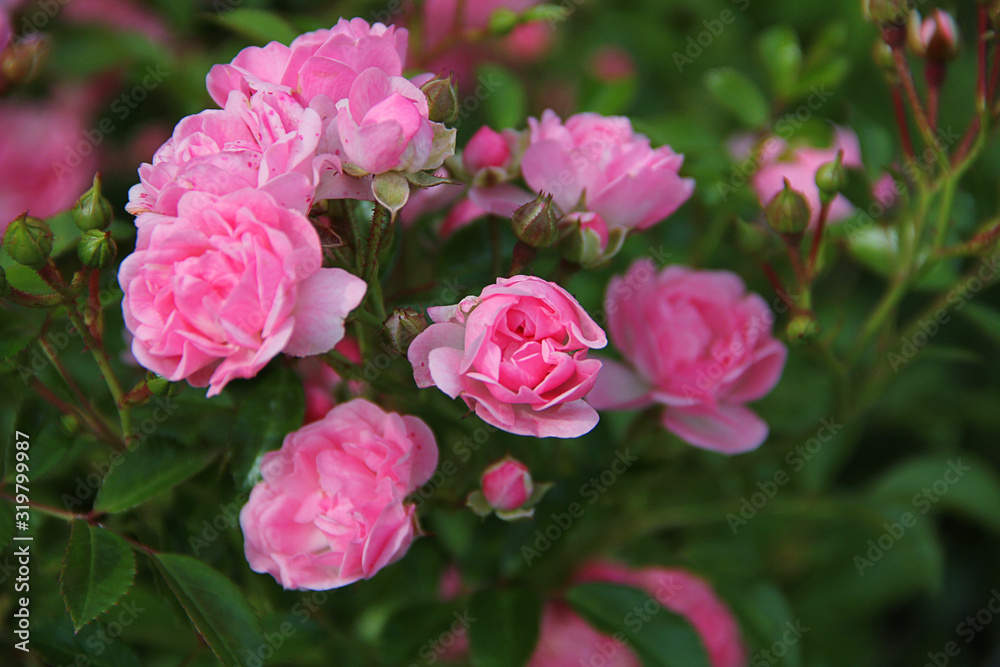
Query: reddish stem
x=904, y=127
x=984, y=26
x=824, y=213
x=779, y=289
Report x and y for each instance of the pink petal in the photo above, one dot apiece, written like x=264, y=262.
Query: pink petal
x=324, y=300
x=727, y=429
x=618, y=388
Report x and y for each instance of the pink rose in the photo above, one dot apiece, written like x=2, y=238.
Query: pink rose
x=323, y=62
x=517, y=355
x=687, y=595
x=41, y=169
x=600, y=165
x=331, y=508
x=799, y=165
x=566, y=640
x=383, y=126
x=269, y=141
x=506, y=484
x=227, y=285
x=697, y=343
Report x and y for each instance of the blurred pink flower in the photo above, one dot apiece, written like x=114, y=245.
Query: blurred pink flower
x=697, y=343
x=799, y=164
x=600, y=165
x=682, y=593
x=121, y=15
x=320, y=381
x=566, y=640
x=227, y=285
x=331, y=508
x=517, y=355
x=42, y=166
x=612, y=63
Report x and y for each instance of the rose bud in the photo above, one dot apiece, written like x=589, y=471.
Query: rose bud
x=96, y=249
x=508, y=490
x=23, y=59
x=830, y=178
x=402, y=326
x=92, y=210
x=536, y=223
x=28, y=241
x=934, y=38
x=442, y=100
x=788, y=212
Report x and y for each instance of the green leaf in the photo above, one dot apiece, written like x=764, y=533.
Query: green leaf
x=502, y=95
x=258, y=25
x=782, y=56
x=215, y=606
x=985, y=318
x=154, y=467
x=97, y=571
x=665, y=640
x=735, y=92
x=506, y=627
x=930, y=482
x=422, y=627
x=58, y=644
x=764, y=613
x=273, y=405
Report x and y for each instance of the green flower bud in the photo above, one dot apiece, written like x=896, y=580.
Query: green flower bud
x=402, y=326
x=503, y=20
x=442, y=99
x=536, y=223
x=801, y=326
x=886, y=11
x=96, y=249
x=788, y=213
x=92, y=210
x=830, y=178
x=28, y=241
x=161, y=386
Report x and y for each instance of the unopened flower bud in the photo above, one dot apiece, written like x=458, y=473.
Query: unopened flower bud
x=402, y=326
x=508, y=490
x=536, y=223
x=28, y=241
x=92, y=210
x=442, y=99
x=23, y=59
x=96, y=249
x=882, y=55
x=831, y=178
x=801, y=326
x=934, y=38
x=788, y=212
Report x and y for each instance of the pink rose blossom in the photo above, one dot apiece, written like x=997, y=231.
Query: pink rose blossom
x=697, y=343
x=687, y=595
x=268, y=141
x=566, y=640
x=517, y=355
x=227, y=285
x=331, y=508
x=323, y=62
x=41, y=169
x=799, y=166
x=507, y=484
x=597, y=164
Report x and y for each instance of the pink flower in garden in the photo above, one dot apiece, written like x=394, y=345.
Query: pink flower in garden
x=46, y=161
x=322, y=62
x=599, y=165
x=697, y=343
x=268, y=142
x=566, y=640
x=687, y=595
x=799, y=165
x=612, y=64
x=517, y=355
x=230, y=283
x=331, y=507
x=507, y=484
